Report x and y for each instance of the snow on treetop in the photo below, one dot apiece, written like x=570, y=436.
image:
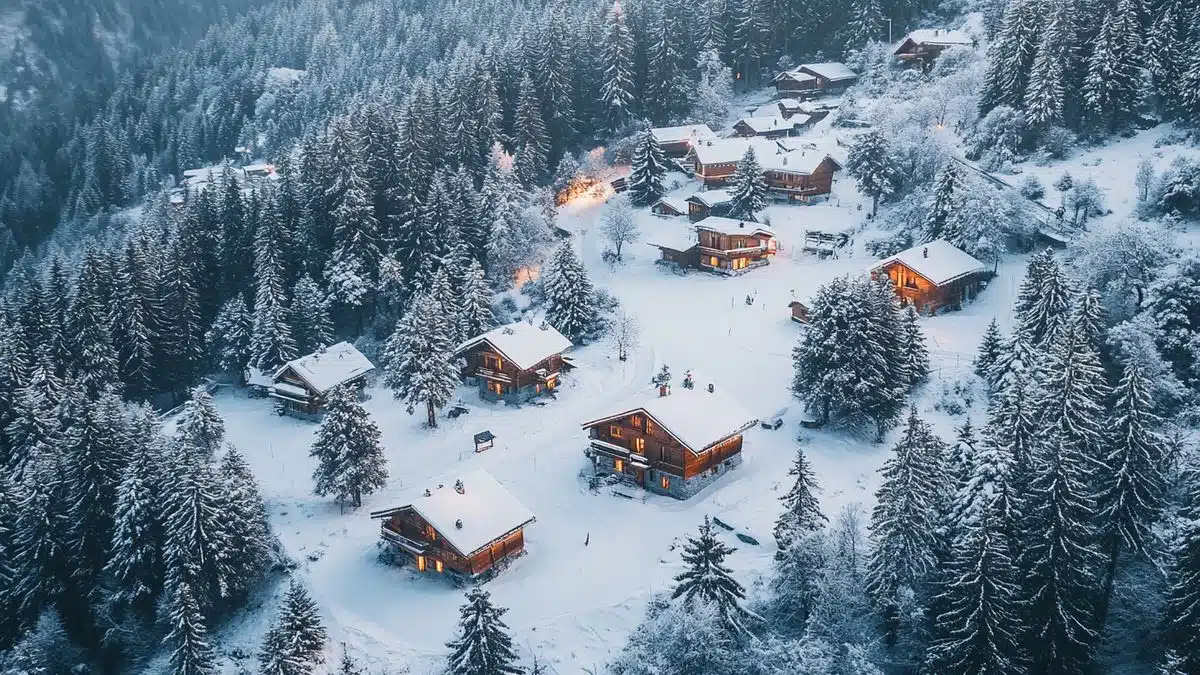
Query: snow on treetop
x=937, y=36
x=830, y=70
x=484, y=508
x=694, y=416
x=711, y=198
x=327, y=368
x=732, y=226
x=939, y=261
x=523, y=343
x=692, y=132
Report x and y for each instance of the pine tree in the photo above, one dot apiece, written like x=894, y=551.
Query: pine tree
x=475, y=310
x=134, y=332
x=869, y=164
x=914, y=352
x=9, y=616
x=348, y=666
x=40, y=541
x=707, y=579
x=1011, y=56
x=949, y=183
x=570, y=300
x=197, y=547
x=191, y=651
x=350, y=457
x=229, y=337
x=865, y=23
x=1052, y=96
x=530, y=139
x=990, y=347
x=483, y=645
x=419, y=359
x=135, y=565
x=181, y=353
x=1112, y=90
x=297, y=639
x=649, y=168
x=1166, y=54
x=94, y=359
x=311, y=326
x=801, y=511
x=200, y=428
x=665, y=85
x=1181, y=613
x=749, y=188
x=1043, y=301
x=617, y=59
x=271, y=343
x=904, y=521
x=250, y=539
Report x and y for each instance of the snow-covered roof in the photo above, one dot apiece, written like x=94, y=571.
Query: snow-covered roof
x=523, y=343
x=711, y=198
x=486, y=510
x=675, y=203
x=790, y=103
x=763, y=125
x=794, y=74
x=937, y=36
x=674, y=237
x=695, y=417
x=689, y=132
x=792, y=155
x=727, y=150
x=285, y=390
x=939, y=261
x=732, y=226
x=327, y=368
x=257, y=378
x=830, y=70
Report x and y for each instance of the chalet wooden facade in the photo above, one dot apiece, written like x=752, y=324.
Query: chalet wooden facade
x=729, y=246
x=466, y=528
x=812, y=79
x=514, y=363
x=670, y=207
x=299, y=386
x=935, y=276
x=708, y=203
x=675, y=442
x=770, y=127
x=677, y=141
x=794, y=169
x=802, y=177
x=922, y=47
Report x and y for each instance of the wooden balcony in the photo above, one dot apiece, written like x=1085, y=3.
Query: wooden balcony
x=493, y=374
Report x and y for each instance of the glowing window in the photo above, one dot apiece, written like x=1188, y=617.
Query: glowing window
x=619, y=465
x=649, y=427
x=665, y=482
x=421, y=563
x=639, y=445
x=437, y=565
x=614, y=431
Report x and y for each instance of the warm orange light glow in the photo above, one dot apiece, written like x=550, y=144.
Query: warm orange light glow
x=665, y=482
x=421, y=563
x=639, y=446
x=437, y=565
x=526, y=274
x=619, y=465
x=584, y=190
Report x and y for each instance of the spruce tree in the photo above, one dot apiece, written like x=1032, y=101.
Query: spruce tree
x=1167, y=54
x=1112, y=90
x=419, y=359
x=94, y=359
x=9, y=616
x=350, y=458
x=530, y=139
x=707, y=579
x=914, y=353
x=865, y=23
x=990, y=348
x=197, y=545
x=296, y=642
x=749, y=188
x=483, y=645
x=135, y=566
x=949, y=183
x=1181, y=613
x=870, y=165
x=570, y=300
x=191, y=650
x=250, y=539
x=1043, y=301
x=475, y=311
x=229, y=337
x=311, y=326
x=271, y=342
x=617, y=60
x=649, y=168
x=200, y=427
x=801, y=510
x=40, y=538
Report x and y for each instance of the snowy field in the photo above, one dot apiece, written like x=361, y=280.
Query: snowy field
x=573, y=605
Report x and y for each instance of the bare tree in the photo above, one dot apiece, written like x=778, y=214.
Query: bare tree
x=626, y=334
x=619, y=226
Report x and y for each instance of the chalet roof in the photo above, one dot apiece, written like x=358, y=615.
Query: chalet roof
x=794, y=74
x=732, y=226
x=695, y=417
x=763, y=125
x=675, y=203
x=673, y=237
x=939, y=261
x=485, y=508
x=692, y=132
x=794, y=155
x=937, y=36
x=790, y=103
x=327, y=368
x=830, y=70
x=711, y=198
x=523, y=343
x=766, y=110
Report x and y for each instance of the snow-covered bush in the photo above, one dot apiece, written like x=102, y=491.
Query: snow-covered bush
x=998, y=138
x=1177, y=190
x=953, y=61
x=957, y=395
x=882, y=247
x=1032, y=188
x=1120, y=261
x=1057, y=143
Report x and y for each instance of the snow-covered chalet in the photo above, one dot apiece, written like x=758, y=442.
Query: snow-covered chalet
x=794, y=169
x=674, y=441
x=811, y=79
x=922, y=46
x=516, y=362
x=934, y=276
x=300, y=385
x=466, y=527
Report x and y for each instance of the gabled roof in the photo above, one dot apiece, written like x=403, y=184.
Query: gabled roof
x=790, y=103
x=729, y=150
x=673, y=237
x=763, y=125
x=523, y=343
x=712, y=198
x=694, y=417
x=327, y=368
x=674, y=203
x=732, y=226
x=939, y=261
x=485, y=508
x=830, y=70
x=794, y=74
x=937, y=36
x=692, y=132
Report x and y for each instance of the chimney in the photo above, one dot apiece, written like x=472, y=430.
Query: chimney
x=458, y=524
x=458, y=487
x=664, y=390
x=741, y=224
x=710, y=387
x=925, y=252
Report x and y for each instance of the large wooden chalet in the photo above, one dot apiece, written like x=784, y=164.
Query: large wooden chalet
x=812, y=79
x=464, y=528
x=730, y=246
x=677, y=141
x=674, y=441
x=934, y=276
x=921, y=47
x=794, y=169
x=514, y=363
x=300, y=386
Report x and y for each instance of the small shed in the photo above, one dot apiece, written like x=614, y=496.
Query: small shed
x=669, y=206
x=709, y=203
x=799, y=311
x=484, y=440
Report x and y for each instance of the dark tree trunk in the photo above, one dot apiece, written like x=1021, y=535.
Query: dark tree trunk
x=432, y=421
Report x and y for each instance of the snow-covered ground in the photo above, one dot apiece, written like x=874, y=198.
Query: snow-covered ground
x=573, y=604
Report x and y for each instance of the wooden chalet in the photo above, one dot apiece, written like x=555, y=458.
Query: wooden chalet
x=677, y=141
x=921, y=47
x=799, y=311
x=812, y=79
x=675, y=440
x=300, y=386
x=669, y=206
x=709, y=203
x=729, y=246
x=770, y=127
x=678, y=247
x=795, y=169
x=514, y=363
x=934, y=276
x=465, y=527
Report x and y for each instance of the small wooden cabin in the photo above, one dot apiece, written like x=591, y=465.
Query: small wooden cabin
x=794, y=169
x=514, y=363
x=769, y=127
x=300, y=386
x=799, y=311
x=934, y=276
x=670, y=207
x=677, y=141
x=811, y=79
x=801, y=175
x=729, y=246
x=464, y=527
x=674, y=441
x=709, y=203
x=921, y=47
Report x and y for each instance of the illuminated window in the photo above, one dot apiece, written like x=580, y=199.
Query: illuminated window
x=614, y=431
x=437, y=565
x=649, y=427
x=639, y=446
x=551, y=383
x=496, y=388
x=636, y=420
x=665, y=482
x=421, y=563
x=492, y=361
x=712, y=261
x=619, y=465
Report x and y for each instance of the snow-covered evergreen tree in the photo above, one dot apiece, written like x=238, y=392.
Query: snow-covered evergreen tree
x=570, y=300
x=312, y=328
x=617, y=61
x=39, y=538
x=229, y=337
x=648, y=169
x=1181, y=613
x=271, y=342
x=869, y=163
x=1112, y=90
x=706, y=578
x=250, y=538
x=801, y=510
x=530, y=139
x=483, y=645
x=197, y=546
x=94, y=359
x=200, y=427
x=135, y=565
x=749, y=188
x=679, y=637
x=865, y=23
x=1043, y=301
x=192, y=651
x=475, y=314
x=990, y=347
x=914, y=353
x=949, y=182
x=296, y=641
x=419, y=359
x=350, y=459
